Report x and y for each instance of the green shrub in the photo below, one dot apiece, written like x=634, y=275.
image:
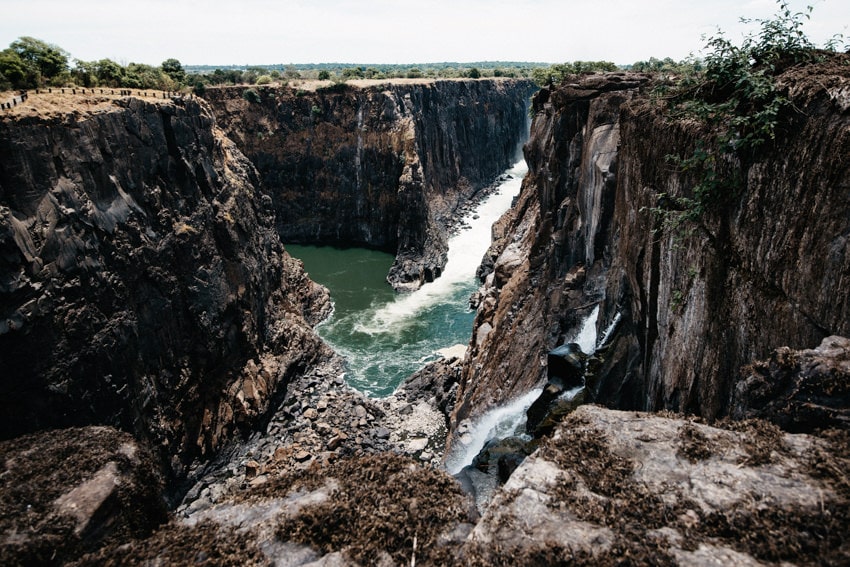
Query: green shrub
x=737, y=97
x=264, y=80
x=252, y=96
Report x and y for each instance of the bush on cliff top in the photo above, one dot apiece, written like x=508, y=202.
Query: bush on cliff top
x=737, y=96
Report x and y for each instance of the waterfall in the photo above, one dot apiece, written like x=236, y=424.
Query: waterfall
x=509, y=419
x=384, y=336
x=498, y=423
x=358, y=157
x=466, y=248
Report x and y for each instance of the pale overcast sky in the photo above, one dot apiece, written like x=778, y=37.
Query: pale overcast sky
x=219, y=32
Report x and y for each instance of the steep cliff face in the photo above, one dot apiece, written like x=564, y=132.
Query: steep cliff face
x=384, y=166
x=142, y=282
x=690, y=308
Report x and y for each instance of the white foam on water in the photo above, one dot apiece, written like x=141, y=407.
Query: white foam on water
x=586, y=335
x=498, y=423
x=466, y=249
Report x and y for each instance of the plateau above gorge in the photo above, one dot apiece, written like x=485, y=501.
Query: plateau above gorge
x=144, y=288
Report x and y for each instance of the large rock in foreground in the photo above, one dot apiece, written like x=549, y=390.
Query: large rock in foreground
x=67, y=492
x=668, y=491
x=800, y=391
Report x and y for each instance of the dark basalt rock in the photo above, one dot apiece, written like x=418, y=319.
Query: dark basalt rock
x=767, y=270
x=67, y=492
x=388, y=167
x=142, y=282
x=566, y=367
x=801, y=391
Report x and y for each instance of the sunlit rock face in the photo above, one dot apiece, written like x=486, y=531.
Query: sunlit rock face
x=384, y=166
x=770, y=269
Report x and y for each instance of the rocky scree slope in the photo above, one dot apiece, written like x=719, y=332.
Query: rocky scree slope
x=142, y=281
x=688, y=308
x=386, y=166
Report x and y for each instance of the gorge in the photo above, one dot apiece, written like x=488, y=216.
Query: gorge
x=144, y=286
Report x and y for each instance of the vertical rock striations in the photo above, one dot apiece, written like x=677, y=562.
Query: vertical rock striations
x=688, y=308
x=142, y=282
x=383, y=166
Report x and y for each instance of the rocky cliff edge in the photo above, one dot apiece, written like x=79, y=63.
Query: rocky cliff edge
x=142, y=281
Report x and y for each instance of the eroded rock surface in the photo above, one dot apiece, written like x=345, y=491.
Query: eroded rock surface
x=142, y=281
x=608, y=486
x=670, y=491
x=801, y=391
x=388, y=166
x=67, y=492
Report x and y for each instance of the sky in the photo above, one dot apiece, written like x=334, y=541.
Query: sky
x=258, y=32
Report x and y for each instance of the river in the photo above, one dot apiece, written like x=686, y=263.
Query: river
x=384, y=336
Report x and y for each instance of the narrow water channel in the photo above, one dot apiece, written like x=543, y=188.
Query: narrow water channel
x=385, y=336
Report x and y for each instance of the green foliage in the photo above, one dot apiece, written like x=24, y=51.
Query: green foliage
x=555, y=74
x=13, y=69
x=174, y=69
x=85, y=73
x=252, y=96
x=474, y=73
x=324, y=75
x=109, y=73
x=667, y=65
x=414, y=73
x=739, y=100
x=264, y=79
x=31, y=63
x=41, y=58
x=354, y=73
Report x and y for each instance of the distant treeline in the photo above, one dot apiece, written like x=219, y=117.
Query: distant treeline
x=32, y=63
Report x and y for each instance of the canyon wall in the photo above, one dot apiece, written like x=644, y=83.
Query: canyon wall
x=385, y=166
x=686, y=308
x=142, y=281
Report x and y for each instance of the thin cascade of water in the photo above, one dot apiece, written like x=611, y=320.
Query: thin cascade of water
x=497, y=423
x=510, y=419
x=586, y=335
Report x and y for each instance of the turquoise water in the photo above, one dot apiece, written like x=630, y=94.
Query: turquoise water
x=385, y=336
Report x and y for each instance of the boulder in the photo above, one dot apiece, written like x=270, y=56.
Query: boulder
x=71, y=491
x=800, y=391
x=611, y=485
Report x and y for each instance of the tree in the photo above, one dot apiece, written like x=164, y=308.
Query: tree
x=109, y=73
x=474, y=73
x=174, y=69
x=42, y=60
x=85, y=73
x=12, y=69
x=324, y=75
